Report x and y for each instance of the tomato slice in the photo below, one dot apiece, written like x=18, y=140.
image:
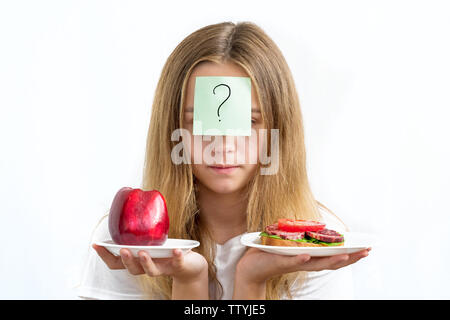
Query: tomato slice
x=292, y=225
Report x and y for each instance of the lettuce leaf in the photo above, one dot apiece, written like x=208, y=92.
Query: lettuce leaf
x=306, y=239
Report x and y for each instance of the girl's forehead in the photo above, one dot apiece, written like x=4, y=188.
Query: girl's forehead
x=213, y=69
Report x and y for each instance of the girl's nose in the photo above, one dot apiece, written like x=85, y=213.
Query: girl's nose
x=228, y=146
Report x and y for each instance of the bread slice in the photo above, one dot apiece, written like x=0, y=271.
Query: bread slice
x=270, y=241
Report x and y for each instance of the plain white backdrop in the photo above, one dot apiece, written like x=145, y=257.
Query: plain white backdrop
x=77, y=80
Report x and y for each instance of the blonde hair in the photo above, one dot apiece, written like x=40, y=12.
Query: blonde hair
x=270, y=197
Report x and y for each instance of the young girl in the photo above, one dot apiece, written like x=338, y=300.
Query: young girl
x=216, y=206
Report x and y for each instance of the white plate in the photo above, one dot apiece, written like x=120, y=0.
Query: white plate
x=353, y=242
x=163, y=251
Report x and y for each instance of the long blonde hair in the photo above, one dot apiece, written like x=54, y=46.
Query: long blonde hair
x=270, y=197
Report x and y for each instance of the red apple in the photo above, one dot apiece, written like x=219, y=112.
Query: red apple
x=138, y=217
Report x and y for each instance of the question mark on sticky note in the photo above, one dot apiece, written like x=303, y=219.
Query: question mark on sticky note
x=229, y=94
x=214, y=93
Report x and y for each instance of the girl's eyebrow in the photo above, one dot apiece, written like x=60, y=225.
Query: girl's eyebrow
x=256, y=110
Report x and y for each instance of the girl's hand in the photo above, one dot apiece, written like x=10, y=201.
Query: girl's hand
x=256, y=267
x=183, y=268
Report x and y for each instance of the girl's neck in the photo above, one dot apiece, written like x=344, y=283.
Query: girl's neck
x=223, y=214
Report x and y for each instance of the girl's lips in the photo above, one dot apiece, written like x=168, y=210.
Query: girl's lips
x=223, y=169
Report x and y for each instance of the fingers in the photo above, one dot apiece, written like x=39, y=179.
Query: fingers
x=297, y=261
x=177, y=258
x=325, y=263
x=288, y=264
x=131, y=263
x=318, y=263
x=304, y=262
x=161, y=266
x=113, y=262
x=352, y=258
x=334, y=262
x=303, y=258
x=147, y=264
x=140, y=265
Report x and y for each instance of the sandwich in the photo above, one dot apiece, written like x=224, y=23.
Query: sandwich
x=300, y=233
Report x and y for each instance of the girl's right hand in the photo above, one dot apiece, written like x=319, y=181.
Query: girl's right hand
x=271, y=264
x=182, y=267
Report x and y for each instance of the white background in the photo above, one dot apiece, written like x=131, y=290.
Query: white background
x=77, y=81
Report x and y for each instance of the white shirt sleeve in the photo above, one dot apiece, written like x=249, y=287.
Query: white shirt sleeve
x=327, y=284
x=100, y=282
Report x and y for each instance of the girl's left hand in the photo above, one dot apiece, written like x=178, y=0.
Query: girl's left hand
x=257, y=266
x=183, y=267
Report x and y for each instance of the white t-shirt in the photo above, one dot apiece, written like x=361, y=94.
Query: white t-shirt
x=99, y=282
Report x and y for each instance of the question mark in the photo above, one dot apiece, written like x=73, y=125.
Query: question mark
x=229, y=94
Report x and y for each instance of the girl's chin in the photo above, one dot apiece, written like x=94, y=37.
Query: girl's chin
x=224, y=188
